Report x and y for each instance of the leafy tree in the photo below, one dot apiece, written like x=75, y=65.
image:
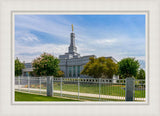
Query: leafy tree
x=141, y=74
x=128, y=67
x=18, y=67
x=45, y=65
x=100, y=68
x=60, y=74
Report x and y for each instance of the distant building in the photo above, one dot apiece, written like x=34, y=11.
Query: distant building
x=71, y=63
x=28, y=69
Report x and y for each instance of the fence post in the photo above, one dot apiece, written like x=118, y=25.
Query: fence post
x=129, y=89
x=49, y=86
x=28, y=84
x=40, y=85
x=99, y=89
x=61, y=86
x=53, y=85
x=19, y=83
x=78, y=87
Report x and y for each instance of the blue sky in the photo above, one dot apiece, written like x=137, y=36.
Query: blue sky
x=119, y=36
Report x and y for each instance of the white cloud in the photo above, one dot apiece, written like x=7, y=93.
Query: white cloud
x=83, y=49
x=26, y=36
x=104, y=41
x=27, y=53
x=39, y=24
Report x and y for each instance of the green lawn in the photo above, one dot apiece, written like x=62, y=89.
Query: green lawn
x=94, y=89
x=32, y=97
x=106, y=89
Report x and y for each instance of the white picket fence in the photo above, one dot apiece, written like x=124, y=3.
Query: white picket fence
x=86, y=89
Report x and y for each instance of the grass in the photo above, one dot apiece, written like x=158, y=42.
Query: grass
x=32, y=97
x=106, y=89
x=20, y=96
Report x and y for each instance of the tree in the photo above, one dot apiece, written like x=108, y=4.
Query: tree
x=18, y=67
x=141, y=74
x=100, y=68
x=128, y=67
x=60, y=74
x=45, y=65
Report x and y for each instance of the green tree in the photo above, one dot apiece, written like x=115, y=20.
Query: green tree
x=128, y=67
x=45, y=65
x=141, y=74
x=18, y=67
x=100, y=68
x=60, y=74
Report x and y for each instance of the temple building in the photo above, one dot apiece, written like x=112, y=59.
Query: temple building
x=71, y=63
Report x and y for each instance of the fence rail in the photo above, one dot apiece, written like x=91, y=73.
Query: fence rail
x=86, y=89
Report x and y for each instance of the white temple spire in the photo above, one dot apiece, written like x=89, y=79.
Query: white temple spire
x=72, y=47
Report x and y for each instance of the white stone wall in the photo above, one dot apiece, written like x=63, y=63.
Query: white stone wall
x=66, y=63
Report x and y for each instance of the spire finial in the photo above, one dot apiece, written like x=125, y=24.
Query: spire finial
x=72, y=27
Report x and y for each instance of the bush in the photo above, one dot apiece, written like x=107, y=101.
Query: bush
x=128, y=67
x=46, y=65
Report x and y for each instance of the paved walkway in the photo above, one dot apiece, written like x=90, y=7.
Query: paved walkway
x=83, y=94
